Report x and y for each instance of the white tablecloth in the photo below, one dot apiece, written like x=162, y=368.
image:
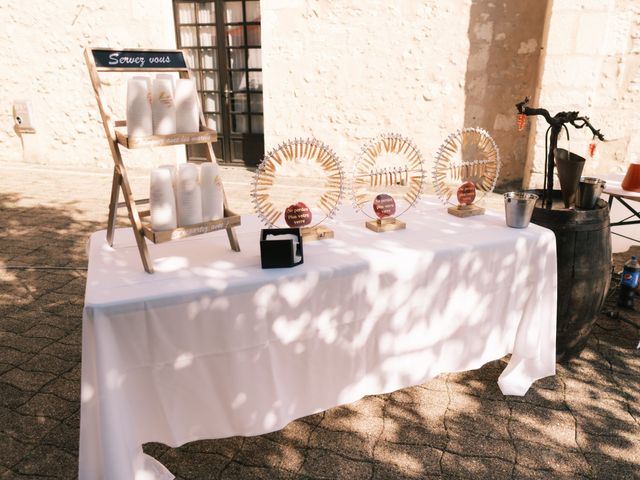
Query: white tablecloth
x=212, y=346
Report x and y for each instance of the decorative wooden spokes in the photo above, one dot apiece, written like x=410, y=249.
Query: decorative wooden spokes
x=390, y=164
x=468, y=155
x=306, y=171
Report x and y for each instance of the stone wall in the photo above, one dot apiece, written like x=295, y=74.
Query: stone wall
x=592, y=64
x=347, y=71
x=506, y=39
x=42, y=47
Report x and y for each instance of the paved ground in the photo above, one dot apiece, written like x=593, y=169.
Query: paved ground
x=582, y=423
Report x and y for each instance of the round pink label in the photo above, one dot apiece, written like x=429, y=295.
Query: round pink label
x=466, y=193
x=297, y=215
x=384, y=205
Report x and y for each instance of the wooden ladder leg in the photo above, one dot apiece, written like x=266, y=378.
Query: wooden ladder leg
x=233, y=240
x=113, y=205
x=134, y=217
x=144, y=251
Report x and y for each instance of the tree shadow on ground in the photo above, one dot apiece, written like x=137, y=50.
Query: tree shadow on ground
x=582, y=423
x=42, y=279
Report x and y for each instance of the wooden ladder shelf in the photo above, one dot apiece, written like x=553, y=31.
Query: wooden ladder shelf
x=102, y=60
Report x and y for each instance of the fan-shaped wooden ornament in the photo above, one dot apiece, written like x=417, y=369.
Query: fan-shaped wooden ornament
x=388, y=177
x=299, y=205
x=466, y=169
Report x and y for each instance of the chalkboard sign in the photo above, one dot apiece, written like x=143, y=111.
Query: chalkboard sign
x=139, y=59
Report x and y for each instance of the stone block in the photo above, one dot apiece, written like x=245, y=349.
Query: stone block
x=562, y=33
x=591, y=33
x=579, y=5
x=571, y=72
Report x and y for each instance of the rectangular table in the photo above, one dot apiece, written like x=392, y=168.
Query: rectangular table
x=624, y=212
x=212, y=346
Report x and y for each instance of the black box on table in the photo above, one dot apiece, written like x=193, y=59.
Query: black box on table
x=280, y=253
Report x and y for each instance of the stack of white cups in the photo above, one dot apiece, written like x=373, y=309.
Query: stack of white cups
x=185, y=195
x=162, y=201
x=187, y=111
x=162, y=106
x=139, y=118
x=188, y=195
x=212, y=192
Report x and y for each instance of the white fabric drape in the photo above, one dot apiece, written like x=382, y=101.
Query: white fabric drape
x=212, y=346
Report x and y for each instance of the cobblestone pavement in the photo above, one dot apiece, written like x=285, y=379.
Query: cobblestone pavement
x=583, y=423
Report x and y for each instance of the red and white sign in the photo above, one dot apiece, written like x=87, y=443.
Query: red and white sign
x=297, y=215
x=384, y=205
x=466, y=193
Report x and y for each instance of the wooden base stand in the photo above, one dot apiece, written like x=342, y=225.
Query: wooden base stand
x=385, y=225
x=466, y=210
x=310, y=234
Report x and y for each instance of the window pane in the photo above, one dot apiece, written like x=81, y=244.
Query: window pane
x=236, y=58
x=207, y=36
x=235, y=36
x=214, y=122
x=255, y=58
x=240, y=124
x=253, y=11
x=238, y=81
x=255, y=80
x=257, y=125
x=256, y=102
x=210, y=81
x=239, y=103
x=233, y=12
x=191, y=58
x=253, y=35
x=188, y=36
x=209, y=59
x=207, y=12
x=211, y=102
x=186, y=13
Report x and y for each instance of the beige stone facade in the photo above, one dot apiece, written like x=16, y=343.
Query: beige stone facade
x=592, y=64
x=345, y=71
x=42, y=45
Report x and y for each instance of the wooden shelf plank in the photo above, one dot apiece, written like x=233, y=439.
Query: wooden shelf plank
x=203, y=136
x=191, y=230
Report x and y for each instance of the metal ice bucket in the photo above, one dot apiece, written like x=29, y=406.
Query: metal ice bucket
x=518, y=208
x=589, y=190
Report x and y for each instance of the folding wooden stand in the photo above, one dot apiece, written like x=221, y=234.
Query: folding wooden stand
x=146, y=61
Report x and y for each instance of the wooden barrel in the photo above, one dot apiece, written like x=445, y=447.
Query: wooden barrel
x=583, y=245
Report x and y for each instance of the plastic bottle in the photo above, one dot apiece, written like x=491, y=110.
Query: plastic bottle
x=629, y=282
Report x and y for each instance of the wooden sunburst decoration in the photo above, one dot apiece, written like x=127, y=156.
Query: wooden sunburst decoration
x=300, y=183
x=388, y=178
x=467, y=162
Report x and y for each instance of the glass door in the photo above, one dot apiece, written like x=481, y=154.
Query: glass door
x=222, y=42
